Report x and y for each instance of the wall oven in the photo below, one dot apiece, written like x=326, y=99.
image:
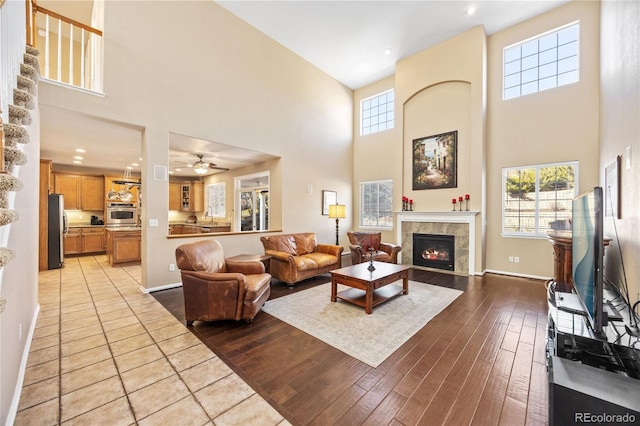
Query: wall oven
x=121, y=214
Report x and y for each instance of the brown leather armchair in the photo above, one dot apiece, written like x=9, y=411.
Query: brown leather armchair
x=360, y=242
x=216, y=288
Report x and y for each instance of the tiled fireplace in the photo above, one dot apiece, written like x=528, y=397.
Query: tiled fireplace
x=459, y=225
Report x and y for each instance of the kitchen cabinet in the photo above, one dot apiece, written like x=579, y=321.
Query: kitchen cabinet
x=84, y=240
x=179, y=228
x=186, y=196
x=81, y=192
x=198, y=196
x=174, y=196
x=123, y=246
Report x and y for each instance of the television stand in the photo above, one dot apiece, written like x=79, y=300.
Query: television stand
x=581, y=394
x=589, y=376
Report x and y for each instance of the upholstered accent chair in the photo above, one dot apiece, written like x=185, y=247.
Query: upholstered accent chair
x=361, y=242
x=216, y=288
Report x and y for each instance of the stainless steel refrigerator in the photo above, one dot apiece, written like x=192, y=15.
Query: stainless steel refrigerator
x=57, y=231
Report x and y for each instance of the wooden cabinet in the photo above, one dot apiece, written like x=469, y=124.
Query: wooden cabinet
x=81, y=192
x=186, y=196
x=73, y=242
x=123, y=246
x=84, y=240
x=174, y=196
x=197, y=202
x=93, y=240
x=179, y=228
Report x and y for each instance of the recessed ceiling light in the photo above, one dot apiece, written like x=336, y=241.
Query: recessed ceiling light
x=77, y=162
x=77, y=157
x=128, y=167
x=81, y=150
x=135, y=164
x=178, y=170
x=471, y=10
x=387, y=51
x=170, y=172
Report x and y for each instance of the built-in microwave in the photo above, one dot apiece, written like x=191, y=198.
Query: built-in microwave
x=121, y=214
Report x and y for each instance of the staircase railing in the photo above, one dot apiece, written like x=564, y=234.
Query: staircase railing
x=71, y=52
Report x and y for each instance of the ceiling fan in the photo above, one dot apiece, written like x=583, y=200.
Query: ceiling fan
x=201, y=167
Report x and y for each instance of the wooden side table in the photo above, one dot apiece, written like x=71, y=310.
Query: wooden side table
x=563, y=262
x=265, y=259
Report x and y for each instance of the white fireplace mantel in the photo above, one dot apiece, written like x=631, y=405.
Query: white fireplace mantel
x=468, y=217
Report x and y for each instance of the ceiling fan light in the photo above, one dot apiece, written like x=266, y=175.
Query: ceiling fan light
x=201, y=168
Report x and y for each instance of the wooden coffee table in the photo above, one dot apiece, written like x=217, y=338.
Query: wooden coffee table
x=375, y=284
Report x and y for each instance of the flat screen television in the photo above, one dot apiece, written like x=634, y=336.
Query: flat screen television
x=588, y=255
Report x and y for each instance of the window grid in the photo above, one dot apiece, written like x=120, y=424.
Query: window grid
x=216, y=200
x=544, y=62
x=376, y=204
x=537, y=199
x=376, y=113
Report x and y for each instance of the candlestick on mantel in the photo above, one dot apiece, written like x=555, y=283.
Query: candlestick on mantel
x=466, y=197
x=453, y=201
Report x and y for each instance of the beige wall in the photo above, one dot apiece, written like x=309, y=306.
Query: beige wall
x=214, y=77
x=552, y=126
x=619, y=129
x=435, y=92
x=376, y=156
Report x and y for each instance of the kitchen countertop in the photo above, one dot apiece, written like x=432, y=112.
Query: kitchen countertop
x=123, y=228
x=84, y=225
x=202, y=224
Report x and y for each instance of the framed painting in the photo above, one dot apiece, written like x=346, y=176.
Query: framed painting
x=328, y=198
x=435, y=163
x=611, y=189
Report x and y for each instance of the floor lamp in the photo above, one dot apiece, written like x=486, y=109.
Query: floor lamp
x=337, y=212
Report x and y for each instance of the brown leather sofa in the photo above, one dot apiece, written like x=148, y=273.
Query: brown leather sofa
x=295, y=257
x=361, y=242
x=216, y=288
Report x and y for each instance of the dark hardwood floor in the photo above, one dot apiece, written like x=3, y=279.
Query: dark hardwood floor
x=480, y=361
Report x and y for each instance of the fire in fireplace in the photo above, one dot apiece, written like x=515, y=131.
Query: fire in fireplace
x=434, y=251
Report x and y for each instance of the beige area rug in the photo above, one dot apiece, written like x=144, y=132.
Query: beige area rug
x=369, y=338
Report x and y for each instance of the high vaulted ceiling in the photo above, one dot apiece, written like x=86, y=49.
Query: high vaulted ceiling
x=345, y=39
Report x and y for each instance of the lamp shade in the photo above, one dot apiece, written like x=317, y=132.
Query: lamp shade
x=337, y=211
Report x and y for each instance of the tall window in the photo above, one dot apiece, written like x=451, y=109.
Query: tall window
x=543, y=62
x=216, y=200
x=537, y=199
x=376, y=113
x=376, y=208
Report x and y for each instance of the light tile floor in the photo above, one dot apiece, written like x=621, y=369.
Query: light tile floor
x=103, y=352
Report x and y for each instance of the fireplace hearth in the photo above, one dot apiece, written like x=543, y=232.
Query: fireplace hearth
x=434, y=251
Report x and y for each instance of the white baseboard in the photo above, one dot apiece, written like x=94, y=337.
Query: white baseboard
x=13, y=409
x=159, y=288
x=513, y=274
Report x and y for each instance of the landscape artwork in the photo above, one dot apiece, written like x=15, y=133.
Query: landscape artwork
x=435, y=161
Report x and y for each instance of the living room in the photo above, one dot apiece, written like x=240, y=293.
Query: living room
x=242, y=88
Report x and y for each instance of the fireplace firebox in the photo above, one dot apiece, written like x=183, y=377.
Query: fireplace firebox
x=434, y=251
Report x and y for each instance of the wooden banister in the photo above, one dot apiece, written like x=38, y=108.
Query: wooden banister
x=41, y=9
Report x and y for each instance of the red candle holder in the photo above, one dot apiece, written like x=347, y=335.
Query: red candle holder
x=453, y=201
x=466, y=198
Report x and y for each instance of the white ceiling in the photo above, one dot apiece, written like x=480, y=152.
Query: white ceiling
x=346, y=39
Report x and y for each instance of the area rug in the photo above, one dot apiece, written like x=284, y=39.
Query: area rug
x=369, y=338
